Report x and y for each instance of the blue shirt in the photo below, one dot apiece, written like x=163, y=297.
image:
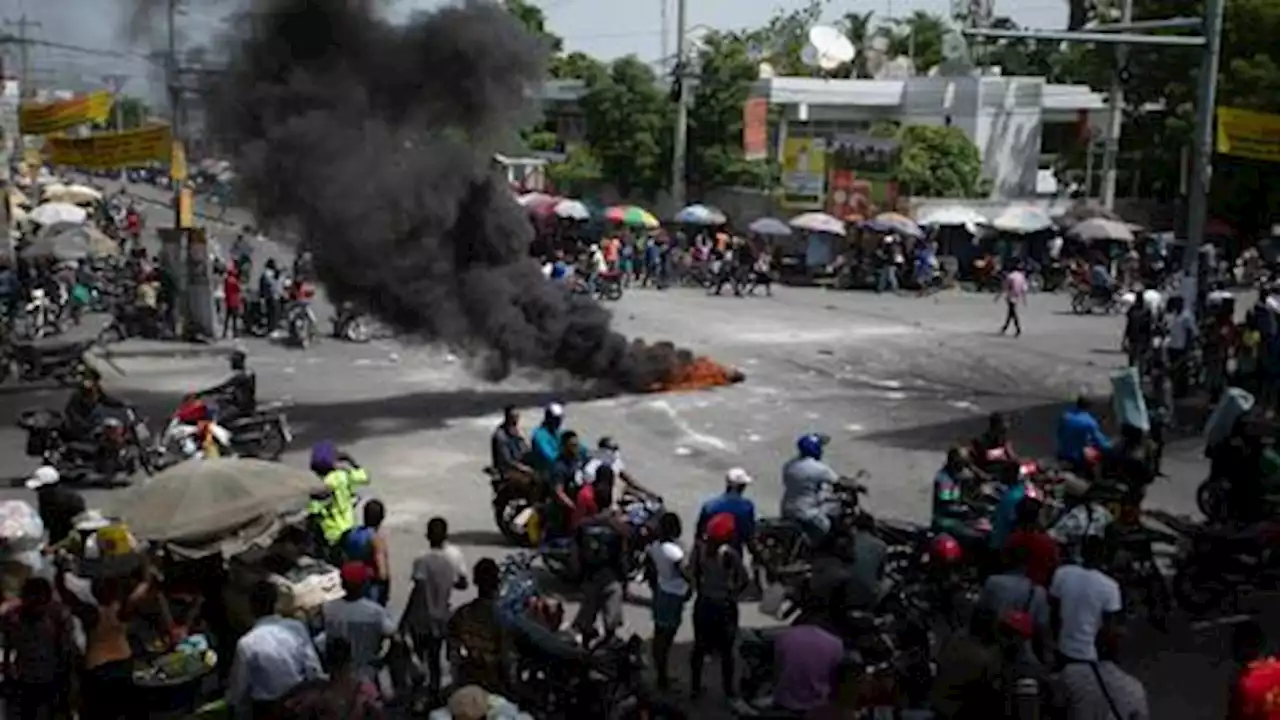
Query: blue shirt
x=559, y=270
x=737, y=505
x=806, y=487
x=546, y=448
x=271, y=659
x=1078, y=430
x=1006, y=514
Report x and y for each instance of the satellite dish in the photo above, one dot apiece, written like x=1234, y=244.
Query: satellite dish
x=809, y=56
x=765, y=70
x=831, y=48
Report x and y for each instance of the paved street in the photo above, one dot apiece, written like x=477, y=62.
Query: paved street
x=894, y=380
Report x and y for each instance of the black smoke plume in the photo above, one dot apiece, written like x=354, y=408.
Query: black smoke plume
x=375, y=143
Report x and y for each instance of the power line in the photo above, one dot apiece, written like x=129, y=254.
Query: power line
x=23, y=24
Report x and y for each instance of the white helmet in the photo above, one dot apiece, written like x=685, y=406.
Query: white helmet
x=43, y=476
x=737, y=476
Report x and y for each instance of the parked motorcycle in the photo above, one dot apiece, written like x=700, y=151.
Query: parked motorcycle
x=31, y=363
x=609, y=286
x=352, y=326
x=1216, y=562
x=118, y=449
x=40, y=316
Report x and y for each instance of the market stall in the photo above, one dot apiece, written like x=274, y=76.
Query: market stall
x=211, y=529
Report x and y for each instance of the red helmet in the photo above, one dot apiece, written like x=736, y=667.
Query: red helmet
x=945, y=550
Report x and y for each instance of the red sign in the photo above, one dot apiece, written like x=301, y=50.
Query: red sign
x=755, y=129
x=848, y=198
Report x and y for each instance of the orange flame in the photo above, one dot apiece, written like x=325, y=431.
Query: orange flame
x=700, y=374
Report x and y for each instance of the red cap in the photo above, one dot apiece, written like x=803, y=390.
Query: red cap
x=355, y=573
x=721, y=528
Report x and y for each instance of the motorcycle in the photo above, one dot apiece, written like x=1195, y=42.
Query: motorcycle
x=302, y=326
x=63, y=363
x=1084, y=301
x=1211, y=498
x=352, y=326
x=265, y=434
x=116, y=450
x=1215, y=562
x=515, y=503
x=781, y=542
x=559, y=555
x=609, y=286
x=41, y=314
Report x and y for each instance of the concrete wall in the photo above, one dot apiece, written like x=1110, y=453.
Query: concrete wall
x=1009, y=128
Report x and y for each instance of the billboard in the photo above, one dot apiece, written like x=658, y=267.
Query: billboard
x=804, y=172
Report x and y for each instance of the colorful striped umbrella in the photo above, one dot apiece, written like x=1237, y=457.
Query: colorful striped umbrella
x=631, y=215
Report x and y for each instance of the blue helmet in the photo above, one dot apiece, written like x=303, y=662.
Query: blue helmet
x=810, y=445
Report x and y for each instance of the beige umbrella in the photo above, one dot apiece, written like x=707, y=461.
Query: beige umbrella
x=204, y=500
x=76, y=195
x=17, y=198
x=1101, y=229
x=53, y=189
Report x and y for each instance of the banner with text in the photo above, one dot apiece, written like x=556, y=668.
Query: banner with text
x=755, y=129
x=804, y=172
x=45, y=118
x=106, y=151
x=1249, y=134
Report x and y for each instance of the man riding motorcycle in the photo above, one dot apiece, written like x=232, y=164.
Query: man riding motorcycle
x=545, y=440
x=86, y=407
x=609, y=454
x=237, y=396
x=806, y=483
x=1080, y=438
x=951, y=514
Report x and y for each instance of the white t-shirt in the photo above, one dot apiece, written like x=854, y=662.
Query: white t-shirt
x=1084, y=595
x=667, y=557
x=589, y=470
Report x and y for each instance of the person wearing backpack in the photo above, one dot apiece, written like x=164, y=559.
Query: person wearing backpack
x=368, y=545
x=601, y=538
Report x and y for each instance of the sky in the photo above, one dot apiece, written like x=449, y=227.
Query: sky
x=604, y=28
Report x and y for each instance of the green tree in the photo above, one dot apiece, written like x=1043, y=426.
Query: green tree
x=131, y=111
x=579, y=175
x=628, y=126
x=918, y=36
x=782, y=39
x=533, y=18
x=725, y=73
x=938, y=162
x=576, y=66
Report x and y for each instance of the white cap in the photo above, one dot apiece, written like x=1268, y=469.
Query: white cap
x=737, y=476
x=555, y=410
x=43, y=476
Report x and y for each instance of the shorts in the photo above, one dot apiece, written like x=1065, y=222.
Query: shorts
x=668, y=611
x=715, y=624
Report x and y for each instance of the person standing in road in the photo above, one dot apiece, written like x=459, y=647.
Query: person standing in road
x=670, y=583
x=1100, y=688
x=272, y=659
x=336, y=514
x=233, y=296
x=269, y=295
x=1084, y=601
x=435, y=576
x=1014, y=293
x=734, y=501
x=719, y=578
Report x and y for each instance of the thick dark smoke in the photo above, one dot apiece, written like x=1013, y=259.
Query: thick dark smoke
x=375, y=142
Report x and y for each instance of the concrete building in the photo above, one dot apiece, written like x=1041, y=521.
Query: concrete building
x=1019, y=124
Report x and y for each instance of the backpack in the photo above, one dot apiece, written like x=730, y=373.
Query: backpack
x=357, y=546
x=597, y=546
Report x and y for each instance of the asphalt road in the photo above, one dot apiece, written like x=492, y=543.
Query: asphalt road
x=894, y=380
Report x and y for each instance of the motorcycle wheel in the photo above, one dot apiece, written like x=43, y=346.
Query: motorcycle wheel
x=1080, y=304
x=612, y=291
x=1195, y=589
x=357, y=330
x=773, y=552
x=273, y=444
x=299, y=334
x=506, y=506
x=1211, y=500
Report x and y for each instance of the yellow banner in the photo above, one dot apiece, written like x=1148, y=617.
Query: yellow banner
x=178, y=162
x=45, y=118
x=106, y=151
x=1249, y=134
x=804, y=172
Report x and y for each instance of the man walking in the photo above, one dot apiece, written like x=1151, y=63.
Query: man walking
x=1014, y=292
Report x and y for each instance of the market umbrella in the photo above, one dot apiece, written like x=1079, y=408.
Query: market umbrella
x=55, y=188
x=52, y=213
x=701, y=215
x=535, y=199
x=17, y=198
x=571, y=210
x=1101, y=229
x=75, y=194
x=952, y=216
x=1022, y=219
x=207, y=500
x=631, y=215
x=892, y=222
x=819, y=222
x=769, y=226
x=68, y=241
x=1082, y=210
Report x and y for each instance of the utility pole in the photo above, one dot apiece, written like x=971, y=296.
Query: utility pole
x=665, y=6
x=116, y=82
x=1115, y=124
x=24, y=52
x=1202, y=167
x=175, y=100
x=679, y=146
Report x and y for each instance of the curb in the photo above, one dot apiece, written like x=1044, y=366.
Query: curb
x=175, y=351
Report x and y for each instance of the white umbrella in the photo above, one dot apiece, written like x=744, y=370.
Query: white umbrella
x=53, y=213
x=819, y=222
x=1022, y=219
x=54, y=189
x=572, y=210
x=951, y=216
x=76, y=195
x=1100, y=229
